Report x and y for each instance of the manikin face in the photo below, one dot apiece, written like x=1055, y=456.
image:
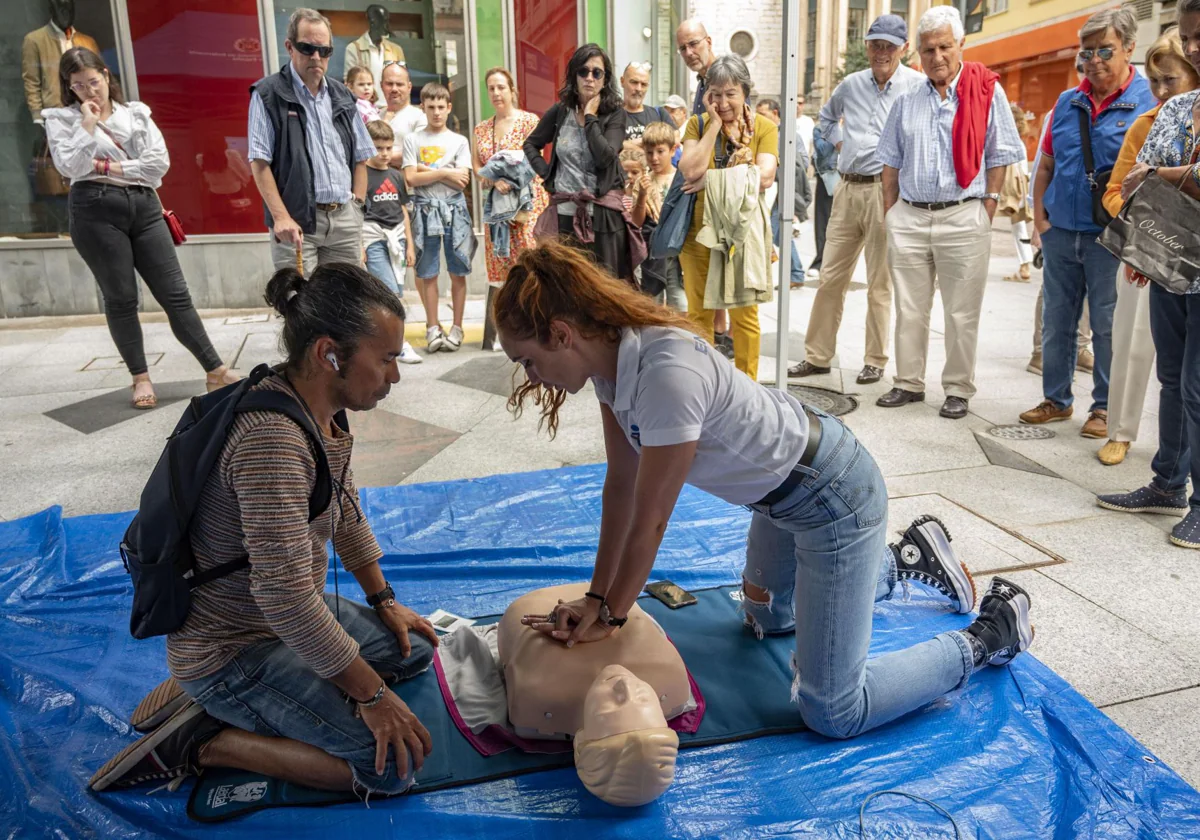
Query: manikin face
x=397, y=86
x=556, y=364
x=941, y=55
x=1105, y=74
x=310, y=68
x=619, y=702
x=378, y=23
x=62, y=12
x=366, y=377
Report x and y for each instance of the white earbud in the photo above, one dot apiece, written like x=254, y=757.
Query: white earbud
x=332, y=360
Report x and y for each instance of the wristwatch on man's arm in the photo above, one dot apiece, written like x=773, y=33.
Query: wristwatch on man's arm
x=385, y=597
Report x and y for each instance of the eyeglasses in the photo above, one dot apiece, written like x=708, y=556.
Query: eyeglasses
x=594, y=72
x=1105, y=54
x=87, y=87
x=306, y=48
x=690, y=45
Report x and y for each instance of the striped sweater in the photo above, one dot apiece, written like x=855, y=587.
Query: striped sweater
x=256, y=503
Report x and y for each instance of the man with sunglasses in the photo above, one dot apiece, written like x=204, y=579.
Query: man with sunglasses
x=1068, y=215
x=309, y=151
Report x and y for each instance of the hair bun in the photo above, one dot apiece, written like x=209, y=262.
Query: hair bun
x=284, y=285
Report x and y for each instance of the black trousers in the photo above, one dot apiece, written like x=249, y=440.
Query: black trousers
x=822, y=208
x=610, y=244
x=119, y=229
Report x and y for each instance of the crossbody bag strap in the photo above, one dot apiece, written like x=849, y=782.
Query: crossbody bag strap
x=1085, y=133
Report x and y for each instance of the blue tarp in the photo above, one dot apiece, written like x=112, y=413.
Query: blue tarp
x=1017, y=754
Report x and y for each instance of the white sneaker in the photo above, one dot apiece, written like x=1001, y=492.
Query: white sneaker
x=408, y=356
x=813, y=274
x=435, y=339
x=455, y=339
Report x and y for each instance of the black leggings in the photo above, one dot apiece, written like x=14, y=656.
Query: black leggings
x=119, y=229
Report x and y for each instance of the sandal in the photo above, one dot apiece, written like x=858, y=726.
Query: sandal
x=226, y=378
x=144, y=402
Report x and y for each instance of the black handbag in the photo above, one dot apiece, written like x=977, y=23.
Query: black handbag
x=1157, y=233
x=1097, y=181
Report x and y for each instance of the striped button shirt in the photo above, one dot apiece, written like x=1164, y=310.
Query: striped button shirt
x=256, y=503
x=857, y=112
x=331, y=178
x=917, y=140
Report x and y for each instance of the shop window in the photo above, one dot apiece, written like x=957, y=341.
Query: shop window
x=547, y=35
x=33, y=197
x=195, y=61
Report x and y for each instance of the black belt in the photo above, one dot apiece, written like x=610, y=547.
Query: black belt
x=806, y=458
x=851, y=178
x=107, y=186
x=939, y=205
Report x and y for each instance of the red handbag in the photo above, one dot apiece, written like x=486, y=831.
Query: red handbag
x=175, y=226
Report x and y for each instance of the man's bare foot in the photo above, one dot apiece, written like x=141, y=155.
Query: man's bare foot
x=143, y=392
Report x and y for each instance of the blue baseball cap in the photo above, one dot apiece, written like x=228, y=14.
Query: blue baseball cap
x=890, y=28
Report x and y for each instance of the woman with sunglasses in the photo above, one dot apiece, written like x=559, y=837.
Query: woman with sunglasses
x=584, y=177
x=116, y=157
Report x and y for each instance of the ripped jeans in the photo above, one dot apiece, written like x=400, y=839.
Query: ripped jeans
x=821, y=554
x=267, y=689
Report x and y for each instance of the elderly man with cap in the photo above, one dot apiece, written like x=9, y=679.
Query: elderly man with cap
x=852, y=120
x=944, y=150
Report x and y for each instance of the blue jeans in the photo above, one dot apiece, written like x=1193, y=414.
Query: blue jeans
x=1076, y=266
x=268, y=690
x=821, y=554
x=1175, y=325
x=797, y=272
x=379, y=263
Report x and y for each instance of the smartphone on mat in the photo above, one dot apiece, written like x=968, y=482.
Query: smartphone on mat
x=670, y=594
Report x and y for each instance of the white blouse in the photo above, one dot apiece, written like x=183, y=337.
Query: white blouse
x=135, y=141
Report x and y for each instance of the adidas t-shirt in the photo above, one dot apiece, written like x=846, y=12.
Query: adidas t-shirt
x=440, y=150
x=386, y=197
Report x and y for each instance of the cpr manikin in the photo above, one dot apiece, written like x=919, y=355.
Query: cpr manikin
x=547, y=683
x=613, y=696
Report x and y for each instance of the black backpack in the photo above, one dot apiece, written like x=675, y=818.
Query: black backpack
x=157, y=549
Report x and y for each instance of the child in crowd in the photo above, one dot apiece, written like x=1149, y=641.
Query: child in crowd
x=658, y=145
x=362, y=85
x=387, y=226
x=633, y=162
x=437, y=166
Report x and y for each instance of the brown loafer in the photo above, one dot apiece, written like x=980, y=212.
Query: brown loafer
x=898, y=397
x=806, y=368
x=1046, y=412
x=1096, y=426
x=1085, y=361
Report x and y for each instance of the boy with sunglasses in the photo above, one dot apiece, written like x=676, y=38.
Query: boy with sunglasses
x=308, y=152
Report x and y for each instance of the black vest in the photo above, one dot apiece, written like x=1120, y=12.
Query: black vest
x=290, y=163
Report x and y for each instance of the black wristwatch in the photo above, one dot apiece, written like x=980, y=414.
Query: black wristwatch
x=382, y=596
x=606, y=617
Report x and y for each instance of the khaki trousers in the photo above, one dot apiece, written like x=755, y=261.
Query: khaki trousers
x=855, y=224
x=1085, y=326
x=693, y=259
x=947, y=249
x=1132, y=359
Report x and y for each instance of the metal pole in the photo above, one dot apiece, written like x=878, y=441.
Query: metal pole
x=786, y=178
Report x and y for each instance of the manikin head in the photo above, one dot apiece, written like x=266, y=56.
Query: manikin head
x=625, y=754
x=378, y=22
x=62, y=13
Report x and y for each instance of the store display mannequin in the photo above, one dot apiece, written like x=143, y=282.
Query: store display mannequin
x=624, y=754
x=41, y=52
x=548, y=684
x=372, y=49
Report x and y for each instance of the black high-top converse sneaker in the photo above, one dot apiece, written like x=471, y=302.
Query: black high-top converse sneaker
x=1003, y=626
x=924, y=556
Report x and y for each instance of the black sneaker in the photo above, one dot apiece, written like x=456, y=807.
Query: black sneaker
x=169, y=752
x=723, y=341
x=1148, y=499
x=1003, y=624
x=924, y=555
x=166, y=699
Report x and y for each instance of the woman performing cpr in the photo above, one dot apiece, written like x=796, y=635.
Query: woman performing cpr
x=675, y=410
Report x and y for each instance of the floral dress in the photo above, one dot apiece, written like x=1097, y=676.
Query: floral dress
x=488, y=144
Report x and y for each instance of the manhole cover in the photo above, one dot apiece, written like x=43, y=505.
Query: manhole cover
x=1019, y=432
x=831, y=402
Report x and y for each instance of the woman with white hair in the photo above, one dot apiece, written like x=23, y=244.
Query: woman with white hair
x=1081, y=143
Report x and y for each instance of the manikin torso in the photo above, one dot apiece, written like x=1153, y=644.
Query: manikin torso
x=547, y=683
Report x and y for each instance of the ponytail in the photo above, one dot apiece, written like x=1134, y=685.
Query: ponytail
x=555, y=282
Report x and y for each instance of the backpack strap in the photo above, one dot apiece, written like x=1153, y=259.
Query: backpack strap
x=281, y=403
